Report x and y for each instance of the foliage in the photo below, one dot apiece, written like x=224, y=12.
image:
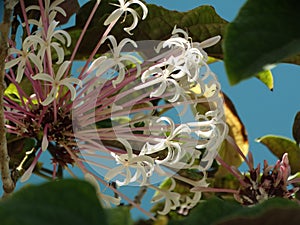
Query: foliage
x=266, y=34
x=57, y=202
x=54, y=204
x=201, y=23
x=219, y=212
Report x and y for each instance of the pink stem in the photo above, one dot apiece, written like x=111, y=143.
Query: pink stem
x=25, y=17
x=237, y=148
x=82, y=34
x=210, y=189
x=233, y=172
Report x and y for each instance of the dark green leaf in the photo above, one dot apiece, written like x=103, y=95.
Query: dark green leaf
x=280, y=145
x=264, y=32
x=296, y=128
x=272, y=212
x=209, y=212
x=67, y=202
x=201, y=23
x=119, y=215
x=216, y=211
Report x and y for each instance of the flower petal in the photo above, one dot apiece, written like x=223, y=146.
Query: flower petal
x=115, y=15
x=62, y=69
x=43, y=76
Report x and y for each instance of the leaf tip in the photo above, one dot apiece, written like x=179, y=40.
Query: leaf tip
x=258, y=140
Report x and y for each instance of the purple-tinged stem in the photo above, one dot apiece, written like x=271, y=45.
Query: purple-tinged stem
x=82, y=34
x=215, y=190
x=232, y=171
x=44, y=18
x=237, y=148
x=25, y=17
x=97, y=48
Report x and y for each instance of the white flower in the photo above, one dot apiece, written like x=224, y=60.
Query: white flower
x=141, y=163
x=124, y=8
x=189, y=202
x=106, y=199
x=173, y=147
x=211, y=133
x=50, y=11
x=46, y=44
x=45, y=143
x=162, y=77
x=103, y=63
x=23, y=57
x=181, y=60
x=185, y=59
x=57, y=81
x=172, y=199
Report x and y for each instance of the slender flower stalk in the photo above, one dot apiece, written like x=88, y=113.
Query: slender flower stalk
x=111, y=119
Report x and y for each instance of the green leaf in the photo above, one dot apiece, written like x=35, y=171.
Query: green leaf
x=271, y=212
x=119, y=215
x=279, y=145
x=267, y=78
x=68, y=202
x=265, y=32
x=217, y=211
x=209, y=212
x=201, y=23
x=12, y=92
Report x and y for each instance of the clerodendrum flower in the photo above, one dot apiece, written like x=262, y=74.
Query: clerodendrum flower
x=124, y=8
x=24, y=56
x=143, y=165
x=51, y=9
x=119, y=124
x=58, y=81
x=47, y=42
x=117, y=62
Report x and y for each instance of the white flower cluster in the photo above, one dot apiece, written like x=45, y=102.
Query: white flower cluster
x=144, y=144
x=37, y=49
x=121, y=105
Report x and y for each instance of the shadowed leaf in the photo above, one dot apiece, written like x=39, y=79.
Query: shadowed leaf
x=67, y=202
x=264, y=32
x=219, y=212
x=280, y=145
x=271, y=212
x=201, y=23
x=296, y=128
x=119, y=215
